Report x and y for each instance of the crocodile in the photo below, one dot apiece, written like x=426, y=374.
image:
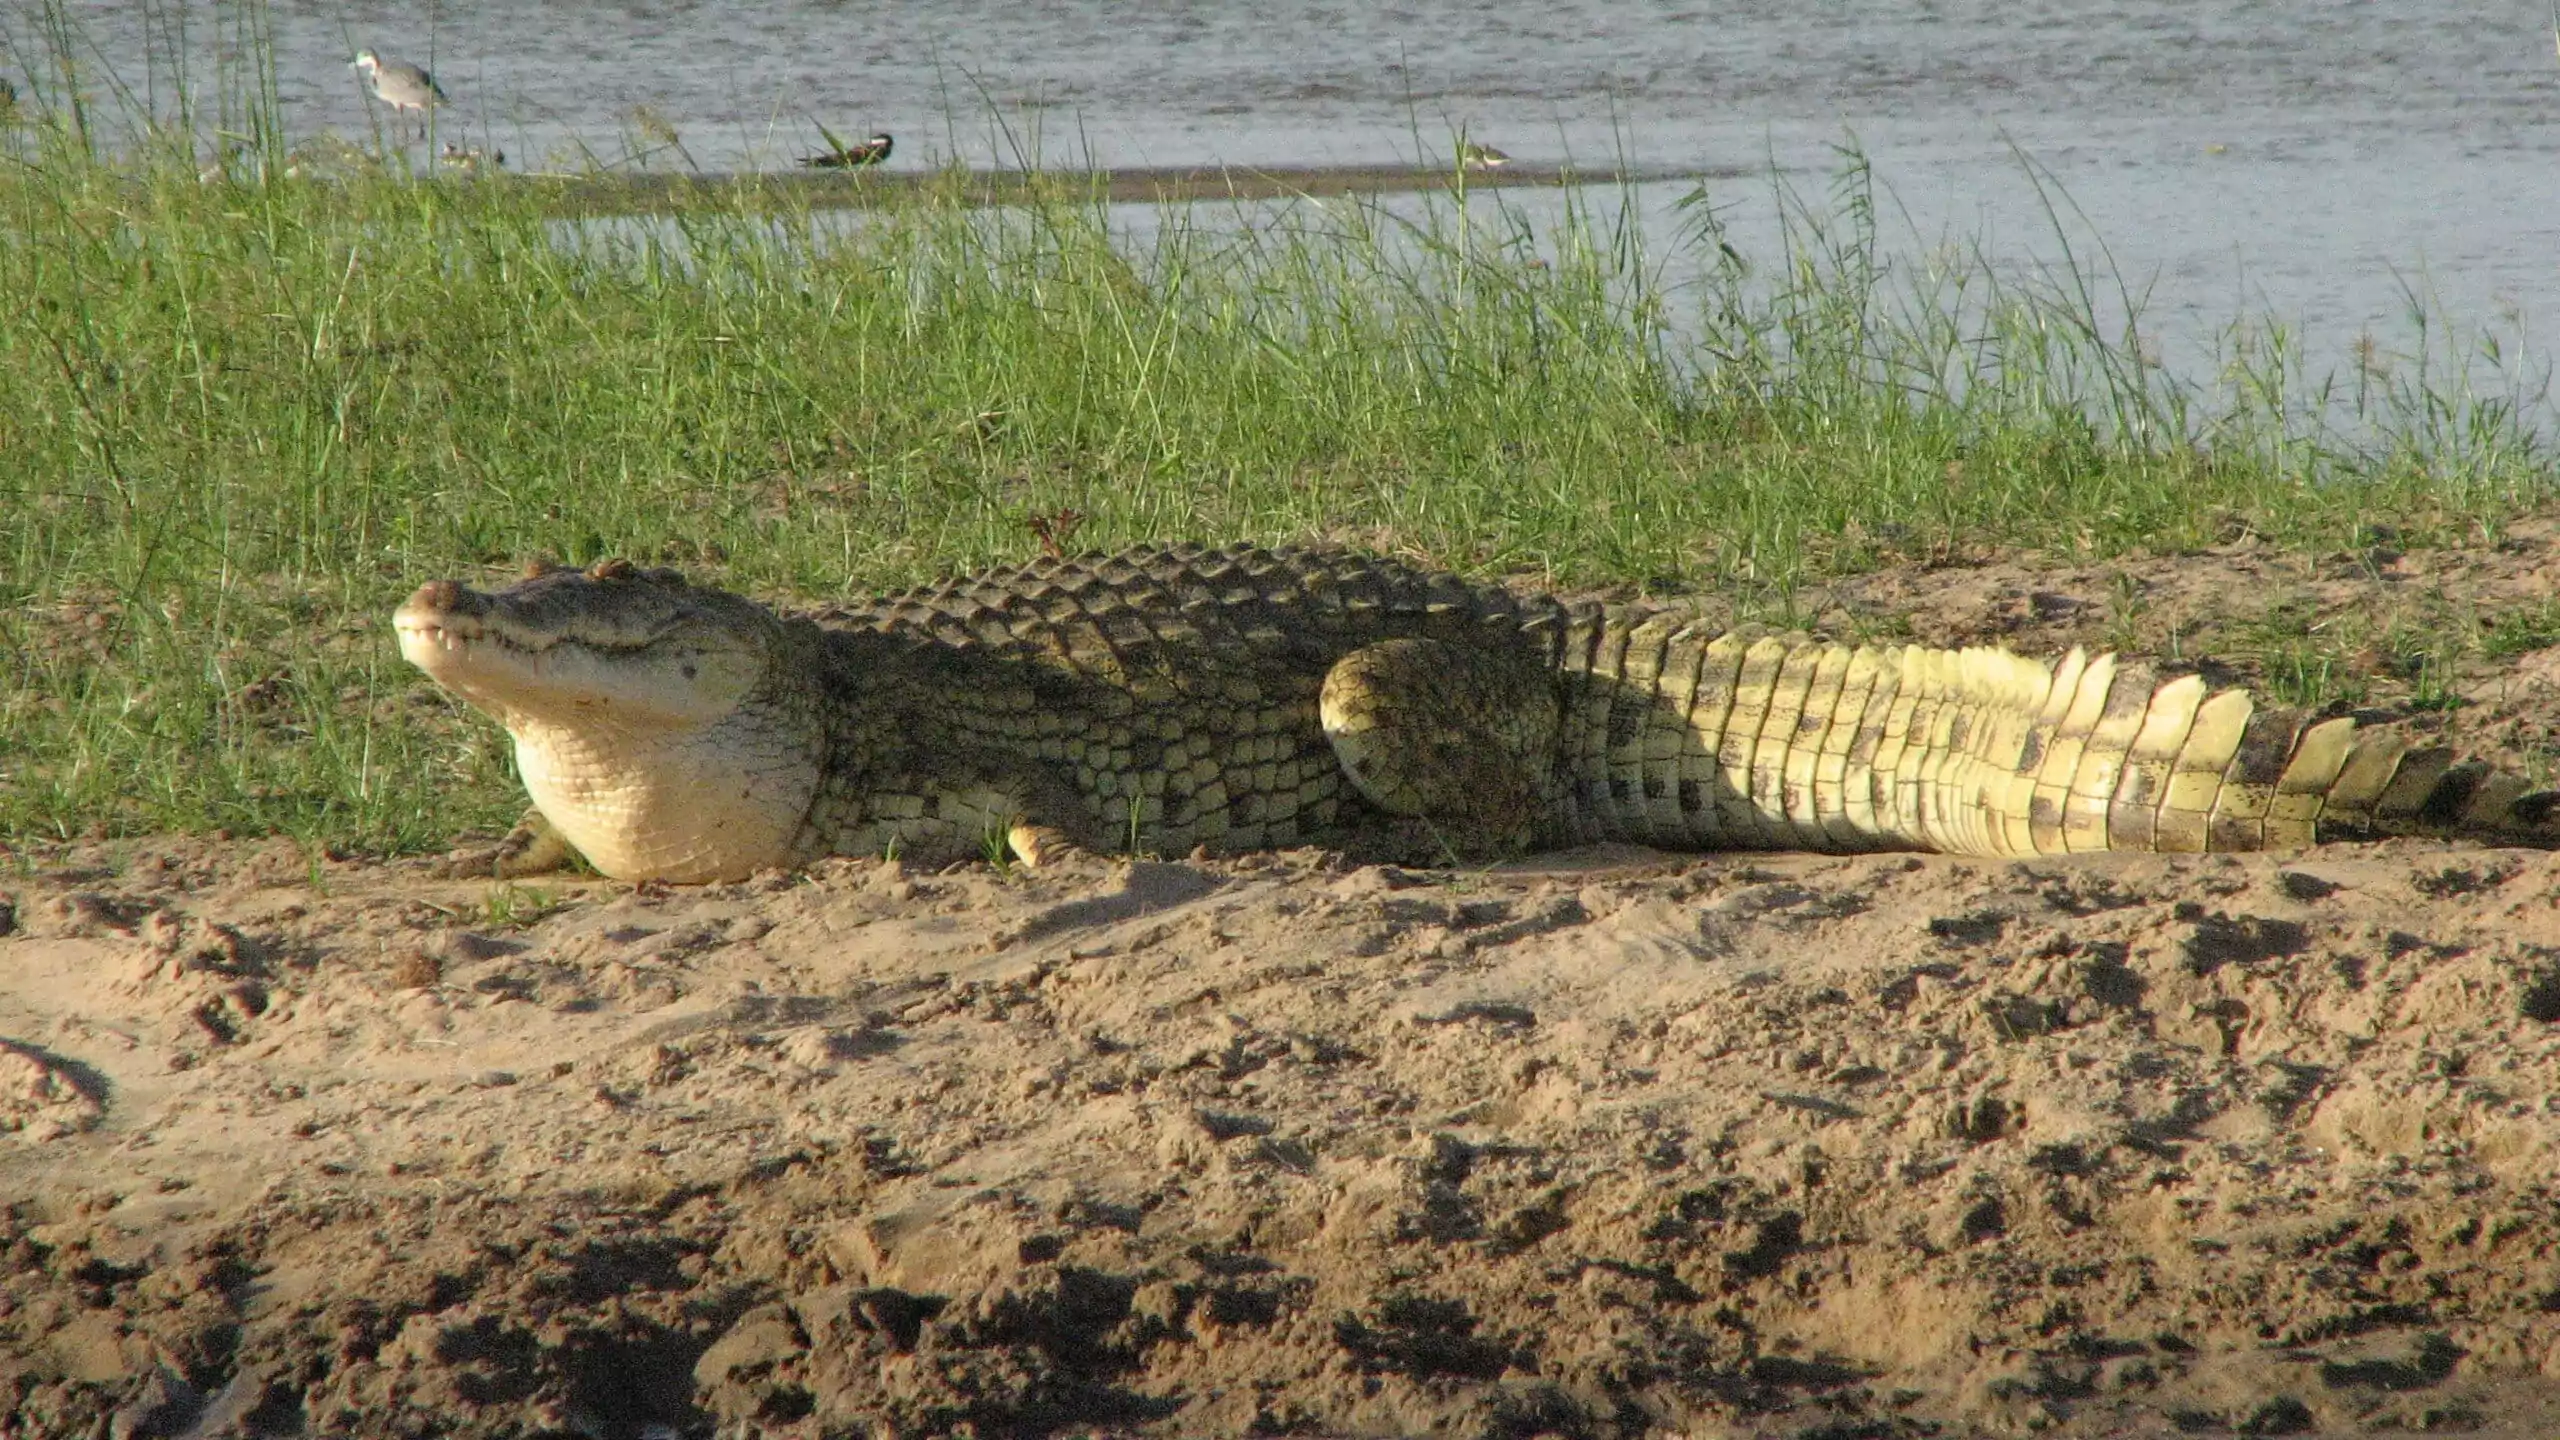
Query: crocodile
x=1183, y=699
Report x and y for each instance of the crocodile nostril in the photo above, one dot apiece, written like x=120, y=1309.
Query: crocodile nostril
x=438, y=595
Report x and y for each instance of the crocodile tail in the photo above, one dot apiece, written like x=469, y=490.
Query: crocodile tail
x=1673, y=733
x=2433, y=791
x=2111, y=758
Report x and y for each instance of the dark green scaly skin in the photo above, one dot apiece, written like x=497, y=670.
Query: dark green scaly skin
x=1185, y=679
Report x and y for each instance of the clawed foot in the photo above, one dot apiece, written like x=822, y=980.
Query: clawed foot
x=532, y=848
x=1043, y=847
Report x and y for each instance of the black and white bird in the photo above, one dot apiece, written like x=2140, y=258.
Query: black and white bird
x=399, y=84
x=848, y=157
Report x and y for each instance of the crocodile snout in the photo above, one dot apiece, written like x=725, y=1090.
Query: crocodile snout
x=438, y=621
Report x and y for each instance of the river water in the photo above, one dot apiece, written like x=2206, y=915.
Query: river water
x=2310, y=163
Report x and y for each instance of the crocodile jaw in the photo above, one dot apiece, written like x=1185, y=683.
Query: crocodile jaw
x=662, y=731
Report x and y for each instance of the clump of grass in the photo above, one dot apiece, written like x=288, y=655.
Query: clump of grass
x=2517, y=632
x=2301, y=657
x=245, y=410
x=2405, y=652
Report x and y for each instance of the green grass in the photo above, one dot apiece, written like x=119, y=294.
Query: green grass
x=240, y=419
x=2503, y=637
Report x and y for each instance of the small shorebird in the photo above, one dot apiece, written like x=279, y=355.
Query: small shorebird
x=469, y=158
x=399, y=84
x=841, y=156
x=1481, y=157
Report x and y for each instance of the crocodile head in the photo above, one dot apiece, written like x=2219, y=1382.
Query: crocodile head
x=669, y=732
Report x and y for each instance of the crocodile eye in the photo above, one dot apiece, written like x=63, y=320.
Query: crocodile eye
x=539, y=566
x=616, y=568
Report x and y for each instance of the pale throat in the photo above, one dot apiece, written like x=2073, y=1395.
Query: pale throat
x=676, y=806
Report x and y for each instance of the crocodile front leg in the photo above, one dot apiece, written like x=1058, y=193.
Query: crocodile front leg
x=964, y=806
